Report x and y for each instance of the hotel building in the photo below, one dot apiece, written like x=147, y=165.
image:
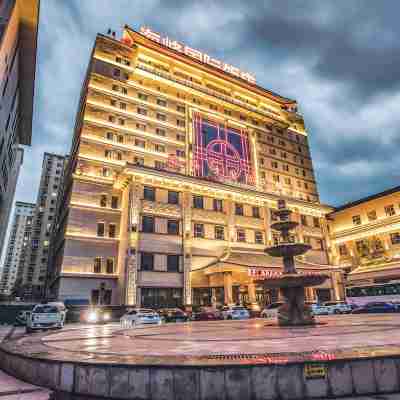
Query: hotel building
x=365, y=238
x=18, y=36
x=35, y=268
x=177, y=163
x=18, y=243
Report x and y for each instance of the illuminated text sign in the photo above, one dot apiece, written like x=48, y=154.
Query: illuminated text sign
x=196, y=54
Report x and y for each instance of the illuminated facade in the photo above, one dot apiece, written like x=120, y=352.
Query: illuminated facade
x=365, y=238
x=177, y=163
x=18, y=36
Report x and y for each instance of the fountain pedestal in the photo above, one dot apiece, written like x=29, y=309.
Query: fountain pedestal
x=291, y=284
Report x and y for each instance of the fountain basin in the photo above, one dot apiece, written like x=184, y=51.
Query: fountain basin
x=295, y=280
x=284, y=225
x=288, y=249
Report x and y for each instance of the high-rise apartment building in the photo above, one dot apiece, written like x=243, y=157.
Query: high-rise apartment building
x=17, y=245
x=35, y=270
x=18, y=36
x=177, y=162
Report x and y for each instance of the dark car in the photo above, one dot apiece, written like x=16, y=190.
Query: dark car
x=207, y=314
x=376, y=307
x=173, y=315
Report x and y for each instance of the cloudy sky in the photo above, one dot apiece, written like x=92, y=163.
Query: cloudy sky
x=339, y=59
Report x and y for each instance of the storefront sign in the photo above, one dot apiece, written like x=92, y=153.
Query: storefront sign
x=261, y=273
x=315, y=371
x=196, y=54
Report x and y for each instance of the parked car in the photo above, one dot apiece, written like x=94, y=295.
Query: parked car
x=376, y=307
x=45, y=316
x=235, y=312
x=173, y=315
x=207, y=314
x=319, y=309
x=338, y=307
x=140, y=316
x=271, y=310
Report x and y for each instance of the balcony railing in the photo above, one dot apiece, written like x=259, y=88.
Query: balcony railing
x=165, y=75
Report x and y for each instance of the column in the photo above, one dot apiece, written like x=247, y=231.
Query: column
x=214, y=297
x=228, y=298
x=135, y=206
x=251, y=290
x=187, y=247
x=267, y=224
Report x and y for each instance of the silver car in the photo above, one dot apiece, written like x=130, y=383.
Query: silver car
x=140, y=316
x=235, y=312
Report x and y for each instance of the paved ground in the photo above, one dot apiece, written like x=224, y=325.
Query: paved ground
x=219, y=342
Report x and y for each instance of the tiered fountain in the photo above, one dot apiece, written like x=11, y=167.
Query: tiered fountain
x=294, y=311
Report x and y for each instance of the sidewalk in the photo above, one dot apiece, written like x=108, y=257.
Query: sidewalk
x=14, y=389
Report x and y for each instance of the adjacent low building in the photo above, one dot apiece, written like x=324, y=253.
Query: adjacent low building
x=177, y=163
x=365, y=238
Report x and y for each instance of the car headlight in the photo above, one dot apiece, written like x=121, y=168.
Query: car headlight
x=106, y=316
x=92, y=317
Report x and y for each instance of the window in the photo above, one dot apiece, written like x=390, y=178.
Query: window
x=356, y=220
x=316, y=222
x=142, y=127
x=342, y=250
x=124, y=90
x=147, y=262
x=160, y=132
x=142, y=96
x=198, y=231
x=142, y=111
x=303, y=219
x=180, y=123
x=140, y=143
x=121, y=121
x=106, y=172
x=173, y=197
x=219, y=232
x=117, y=72
x=371, y=215
x=389, y=210
x=113, y=102
x=138, y=161
x=228, y=112
x=274, y=164
x=159, y=165
x=122, y=106
x=238, y=209
x=100, y=229
x=395, y=238
x=111, y=230
x=173, y=227
x=110, y=266
x=255, y=212
x=180, y=137
x=114, y=202
x=172, y=263
x=180, y=153
x=161, y=117
x=240, y=235
x=162, y=102
x=258, y=237
x=319, y=244
x=97, y=265
x=149, y=193
x=111, y=118
x=198, y=202
x=217, y=205
x=160, y=148
x=147, y=224
x=110, y=136
x=180, y=109
x=103, y=200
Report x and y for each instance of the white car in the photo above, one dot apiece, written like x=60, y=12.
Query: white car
x=318, y=309
x=271, y=311
x=235, y=312
x=45, y=316
x=140, y=316
x=338, y=307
